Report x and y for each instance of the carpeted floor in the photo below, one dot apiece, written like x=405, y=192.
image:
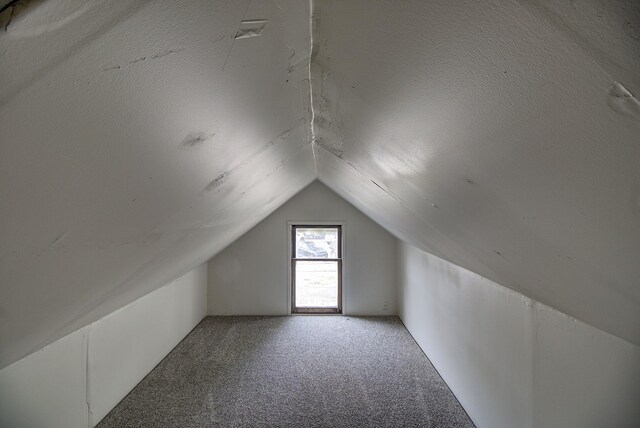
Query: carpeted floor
x=295, y=371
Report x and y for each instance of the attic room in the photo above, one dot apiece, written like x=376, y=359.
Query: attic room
x=320, y=213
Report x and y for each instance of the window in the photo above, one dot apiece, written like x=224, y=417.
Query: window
x=316, y=269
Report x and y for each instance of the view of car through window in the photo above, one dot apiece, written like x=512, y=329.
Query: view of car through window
x=316, y=243
x=316, y=264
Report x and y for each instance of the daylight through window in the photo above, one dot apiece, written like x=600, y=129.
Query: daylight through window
x=316, y=269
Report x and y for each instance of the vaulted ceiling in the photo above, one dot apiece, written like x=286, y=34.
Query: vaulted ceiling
x=138, y=139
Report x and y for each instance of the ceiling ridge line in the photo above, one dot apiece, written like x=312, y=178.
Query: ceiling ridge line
x=312, y=133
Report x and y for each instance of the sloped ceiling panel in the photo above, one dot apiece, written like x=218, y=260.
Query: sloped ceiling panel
x=137, y=140
x=502, y=136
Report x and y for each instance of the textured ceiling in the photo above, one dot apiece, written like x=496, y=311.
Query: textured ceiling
x=499, y=135
x=138, y=139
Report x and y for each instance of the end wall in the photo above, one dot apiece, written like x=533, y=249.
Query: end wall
x=513, y=362
x=251, y=276
x=77, y=380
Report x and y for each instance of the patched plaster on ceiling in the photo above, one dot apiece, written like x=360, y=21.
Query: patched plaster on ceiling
x=138, y=139
x=128, y=155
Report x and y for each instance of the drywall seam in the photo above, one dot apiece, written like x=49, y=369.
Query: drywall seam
x=88, y=378
x=311, y=111
x=84, y=357
x=113, y=292
x=54, y=386
x=530, y=335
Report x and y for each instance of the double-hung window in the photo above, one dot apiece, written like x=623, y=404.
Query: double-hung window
x=316, y=269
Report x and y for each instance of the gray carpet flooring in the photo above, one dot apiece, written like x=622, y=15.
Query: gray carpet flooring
x=296, y=371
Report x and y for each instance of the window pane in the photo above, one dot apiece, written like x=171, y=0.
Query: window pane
x=316, y=284
x=317, y=243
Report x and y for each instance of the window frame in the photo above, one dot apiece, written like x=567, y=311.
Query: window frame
x=293, y=260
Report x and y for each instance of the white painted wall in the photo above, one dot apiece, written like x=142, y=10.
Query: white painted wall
x=251, y=276
x=77, y=380
x=143, y=333
x=48, y=387
x=511, y=361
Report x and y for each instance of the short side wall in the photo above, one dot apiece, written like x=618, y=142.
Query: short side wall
x=77, y=380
